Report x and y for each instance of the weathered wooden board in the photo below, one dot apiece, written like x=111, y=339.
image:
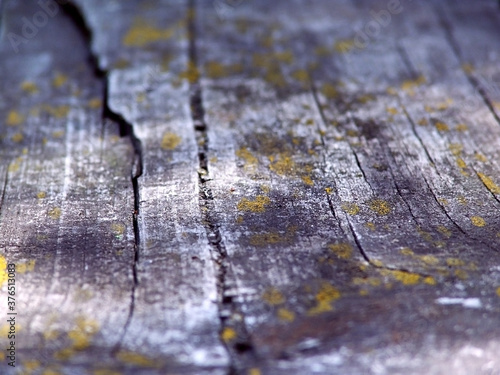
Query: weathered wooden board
x=305, y=187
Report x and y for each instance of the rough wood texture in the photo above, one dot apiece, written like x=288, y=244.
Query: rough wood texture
x=252, y=187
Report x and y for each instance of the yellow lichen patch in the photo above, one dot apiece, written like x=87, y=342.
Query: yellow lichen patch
x=488, y=182
x=258, y=205
x=106, y=372
x=56, y=111
x=136, y=359
x=245, y=154
x=324, y=298
x=58, y=134
x=407, y=251
x=59, y=80
x=380, y=206
x=170, y=141
x=429, y=280
x=342, y=250
x=461, y=274
x=191, y=74
x=283, y=165
x=442, y=127
x=456, y=149
x=275, y=76
x=410, y=85
x=307, y=180
x=430, y=260
x=444, y=231
x=498, y=291
x=82, y=334
x=28, y=266
x=15, y=165
x=392, y=110
x=51, y=334
x=455, y=262
x=94, y=103
x=468, y=68
x=329, y=91
x=273, y=296
x=228, y=334
x=29, y=87
x=55, y=213
x=404, y=277
x=350, y=208
x=363, y=293
x=301, y=75
x=285, y=315
x=461, y=128
x=4, y=276
x=462, y=200
x=372, y=281
x=51, y=372
x=461, y=163
x=329, y=190
x=478, y=221
x=143, y=33
x=480, y=157
x=371, y=226
x=118, y=229
x=344, y=45
x=14, y=118
x=423, y=122
x=18, y=137
x=41, y=195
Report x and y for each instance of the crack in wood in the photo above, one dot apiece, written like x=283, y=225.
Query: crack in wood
x=126, y=130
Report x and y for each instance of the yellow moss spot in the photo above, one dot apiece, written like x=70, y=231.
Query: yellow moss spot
x=392, y=111
x=51, y=372
x=51, y=335
x=498, y=291
x=245, y=154
x=254, y=371
x=258, y=205
x=170, y=141
x=350, y=208
x=329, y=91
x=342, y=250
x=216, y=70
x=377, y=263
x=371, y=226
x=344, y=45
x=456, y=149
x=461, y=163
x=423, y=122
x=82, y=334
x=478, y=221
x=274, y=76
x=32, y=365
x=468, y=68
x=14, y=166
x=461, y=274
x=228, y=334
x=461, y=128
x=118, y=229
x=58, y=112
x=455, y=262
x=18, y=137
x=59, y=80
x=480, y=157
x=324, y=298
x=363, y=293
x=442, y=127
x=488, y=182
x=283, y=166
x=106, y=372
x=444, y=231
x=273, y=296
x=372, y=281
x=286, y=315
x=41, y=195
x=404, y=277
x=136, y=359
x=29, y=87
x=55, y=213
x=301, y=75
x=191, y=73
x=380, y=206
x=94, y=103
x=14, y=118
x=407, y=251
x=307, y=180
x=58, y=134
x=462, y=200
x=143, y=33
x=29, y=266
x=429, y=259
x=410, y=85
x=3, y=272
x=329, y=190
x=429, y=280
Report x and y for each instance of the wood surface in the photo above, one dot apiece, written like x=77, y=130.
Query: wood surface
x=251, y=187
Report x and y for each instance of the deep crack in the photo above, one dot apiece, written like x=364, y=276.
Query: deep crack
x=241, y=350
x=126, y=130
